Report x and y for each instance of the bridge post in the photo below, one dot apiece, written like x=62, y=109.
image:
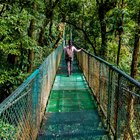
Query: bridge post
x=100, y=83
x=35, y=105
x=117, y=104
x=88, y=68
x=109, y=99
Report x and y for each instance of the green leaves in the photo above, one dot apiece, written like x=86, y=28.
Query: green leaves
x=9, y=48
x=82, y=19
x=17, y=37
x=13, y=76
x=7, y=131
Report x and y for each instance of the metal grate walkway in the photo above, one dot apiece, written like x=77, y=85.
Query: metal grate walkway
x=71, y=113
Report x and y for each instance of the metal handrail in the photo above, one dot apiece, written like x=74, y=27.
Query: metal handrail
x=16, y=93
x=117, y=94
x=114, y=68
x=22, y=112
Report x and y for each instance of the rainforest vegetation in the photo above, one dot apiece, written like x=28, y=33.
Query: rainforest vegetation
x=31, y=29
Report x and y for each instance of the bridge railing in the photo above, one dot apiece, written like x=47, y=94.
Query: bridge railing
x=22, y=112
x=117, y=94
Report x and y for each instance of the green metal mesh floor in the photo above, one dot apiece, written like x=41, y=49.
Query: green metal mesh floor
x=71, y=112
x=79, y=125
x=70, y=100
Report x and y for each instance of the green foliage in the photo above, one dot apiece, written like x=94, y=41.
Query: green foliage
x=13, y=76
x=41, y=54
x=81, y=18
x=10, y=79
x=15, y=41
x=125, y=61
x=7, y=131
x=13, y=31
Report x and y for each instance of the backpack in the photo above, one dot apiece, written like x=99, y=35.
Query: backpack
x=68, y=54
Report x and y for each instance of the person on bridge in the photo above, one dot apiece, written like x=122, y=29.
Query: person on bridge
x=69, y=54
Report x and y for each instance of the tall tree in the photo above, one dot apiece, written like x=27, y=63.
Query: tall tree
x=103, y=8
x=31, y=34
x=134, y=70
x=135, y=57
x=50, y=6
x=120, y=28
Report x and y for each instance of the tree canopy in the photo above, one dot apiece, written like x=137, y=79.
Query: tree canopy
x=30, y=30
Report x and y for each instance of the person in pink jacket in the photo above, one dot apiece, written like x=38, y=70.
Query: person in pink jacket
x=69, y=55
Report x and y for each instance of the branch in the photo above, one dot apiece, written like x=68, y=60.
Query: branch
x=50, y=9
x=2, y=10
x=84, y=32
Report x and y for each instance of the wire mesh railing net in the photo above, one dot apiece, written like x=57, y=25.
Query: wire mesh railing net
x=22, y=112
x=118, y=96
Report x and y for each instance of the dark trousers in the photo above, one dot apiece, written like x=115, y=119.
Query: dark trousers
x=69, y=66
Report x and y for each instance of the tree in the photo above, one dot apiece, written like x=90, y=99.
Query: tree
x=50, y=6
x=135, y=57
x=31, y=34
x=120, y=29
x=103, y=8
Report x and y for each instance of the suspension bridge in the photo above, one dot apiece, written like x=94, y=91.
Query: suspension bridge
x=98, y=101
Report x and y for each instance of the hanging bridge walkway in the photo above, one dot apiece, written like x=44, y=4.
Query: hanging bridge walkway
x=71, y=112
x=98, y=101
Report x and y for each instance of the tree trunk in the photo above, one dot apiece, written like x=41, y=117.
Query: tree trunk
x=119, y=50
x=42, y=33
x=50, y=28
x=134, y=70
x=103, y=8
x=134, y=64
x=103, y=51
x=31, y=51
x=61, y=28
x=49, y=17
x=120, y=30
x=12, y=60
